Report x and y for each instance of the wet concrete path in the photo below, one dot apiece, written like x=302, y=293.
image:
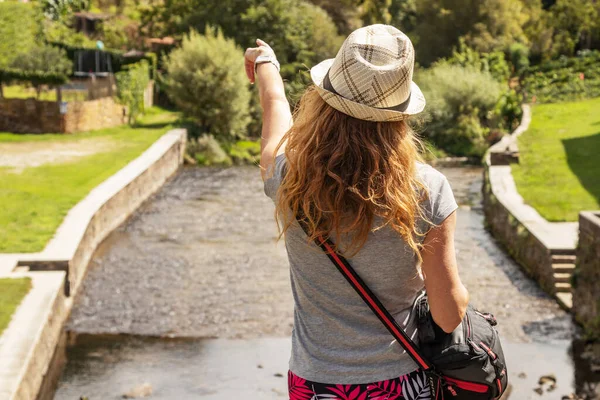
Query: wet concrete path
x=200, y=261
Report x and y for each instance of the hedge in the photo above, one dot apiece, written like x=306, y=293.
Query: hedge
x=35, y=77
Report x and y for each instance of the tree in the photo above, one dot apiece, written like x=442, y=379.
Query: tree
x=344, y=13
x=44, y=58
x=20, y=29
x=404, y=15
x=486, y=25
x=574, y=22
x=376, y=11
x=206, y=80
x=62, y=9
x=500, y=24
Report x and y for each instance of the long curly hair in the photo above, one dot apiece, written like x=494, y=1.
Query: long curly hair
x=343, y=172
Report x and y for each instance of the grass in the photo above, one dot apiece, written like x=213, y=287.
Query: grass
x=35, y=200
x=22, y=92
x=12, y=291
x=559, y=169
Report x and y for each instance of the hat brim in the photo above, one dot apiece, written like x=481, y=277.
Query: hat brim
x=415, y=105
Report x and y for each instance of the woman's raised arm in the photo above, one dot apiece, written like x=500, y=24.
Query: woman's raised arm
x=277, y=117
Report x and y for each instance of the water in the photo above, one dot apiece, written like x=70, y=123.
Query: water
x=199, y=263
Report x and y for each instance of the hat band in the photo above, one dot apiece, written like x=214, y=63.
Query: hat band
x=400, y=107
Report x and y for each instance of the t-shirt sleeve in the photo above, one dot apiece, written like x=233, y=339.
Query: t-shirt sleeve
x=273, y=181
x=440, y=203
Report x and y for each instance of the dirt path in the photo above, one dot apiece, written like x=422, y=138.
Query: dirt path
x=20, y=155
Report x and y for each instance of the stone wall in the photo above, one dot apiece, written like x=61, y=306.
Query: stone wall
x=30, y=116
x=33, y=116
x=94, y=114
x=545, y=250
x=522, y=245
x=586, y=290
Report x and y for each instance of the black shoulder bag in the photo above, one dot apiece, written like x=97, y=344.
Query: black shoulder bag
x=463, y=365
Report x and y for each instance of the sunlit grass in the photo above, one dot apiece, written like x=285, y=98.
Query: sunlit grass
x=12, y=291
x=23, y=92
x=36, y=199
x=559, y=169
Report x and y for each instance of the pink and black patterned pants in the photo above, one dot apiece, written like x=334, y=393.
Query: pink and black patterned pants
x=413, y=386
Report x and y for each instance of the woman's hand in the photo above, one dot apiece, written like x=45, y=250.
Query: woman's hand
x=252, y=54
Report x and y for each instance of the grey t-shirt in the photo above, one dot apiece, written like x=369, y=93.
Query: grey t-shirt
x=336, y=338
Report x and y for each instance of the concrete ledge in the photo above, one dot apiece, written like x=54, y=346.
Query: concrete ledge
x=28, y=345
x=529, y=238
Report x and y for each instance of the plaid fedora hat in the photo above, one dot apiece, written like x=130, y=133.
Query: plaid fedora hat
x=370, y=78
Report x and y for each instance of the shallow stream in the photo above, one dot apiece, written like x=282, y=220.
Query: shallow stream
x=199, y=264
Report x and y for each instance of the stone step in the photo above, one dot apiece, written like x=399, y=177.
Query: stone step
x=564, y=252
x=563, y=268
x=565, y=300
x=562, y=277
x=563, y=258
x=562, y=287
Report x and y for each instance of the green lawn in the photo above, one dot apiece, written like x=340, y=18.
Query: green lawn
x=22, y=92
x=36, y=199
x=12, y=291
x=559, y=169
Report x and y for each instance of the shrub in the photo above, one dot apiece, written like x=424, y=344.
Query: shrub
x=206, y=80
x=207, y=151
x=245, y=152
x=494, y=62
x=508, y=109
x=461, y=103
x=132, y=81
x=519, y=57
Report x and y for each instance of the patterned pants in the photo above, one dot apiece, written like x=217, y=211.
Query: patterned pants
x=413, y=386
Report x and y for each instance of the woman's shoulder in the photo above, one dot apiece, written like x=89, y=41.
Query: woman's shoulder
x=440, y=202
x=430, y=176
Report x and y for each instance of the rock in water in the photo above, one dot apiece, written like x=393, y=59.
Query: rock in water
x=143, y=390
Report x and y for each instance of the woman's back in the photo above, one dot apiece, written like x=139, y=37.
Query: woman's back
x=336, y=337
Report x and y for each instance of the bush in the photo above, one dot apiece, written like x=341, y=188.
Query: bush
x=207, y=151
x=460, y=111
x=132, y=81
x=245, y=152
x=508, y=109
x=519, y=57
x=206, y=80
x=494, y=62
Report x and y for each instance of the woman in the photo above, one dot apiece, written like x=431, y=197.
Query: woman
x=349, y=167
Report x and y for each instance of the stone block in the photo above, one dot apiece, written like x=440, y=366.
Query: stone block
x=586, y=281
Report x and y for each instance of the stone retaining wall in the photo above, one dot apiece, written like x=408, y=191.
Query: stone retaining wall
x=33, y=116
x=586, y=290
x=522, y=245
x=536, y=244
